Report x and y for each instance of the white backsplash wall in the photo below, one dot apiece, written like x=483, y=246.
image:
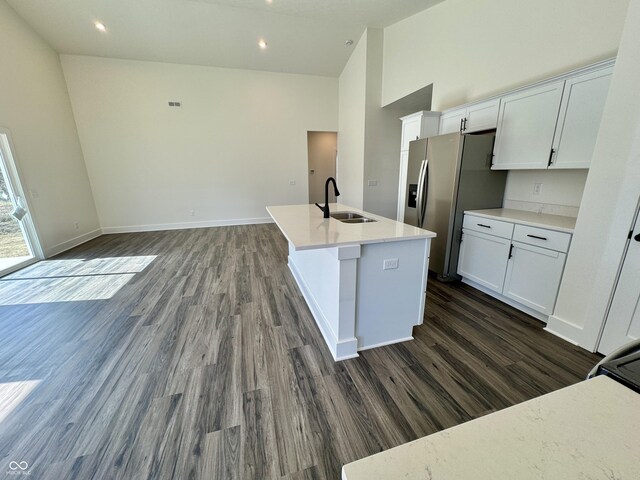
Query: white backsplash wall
x=560, y=192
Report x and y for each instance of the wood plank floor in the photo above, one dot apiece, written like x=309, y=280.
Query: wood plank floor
x=192, y=354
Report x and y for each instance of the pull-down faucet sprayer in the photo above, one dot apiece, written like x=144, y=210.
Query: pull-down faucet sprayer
x=325, y=208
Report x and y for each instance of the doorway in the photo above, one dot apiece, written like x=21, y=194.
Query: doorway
x=322, y=151
x=19, y=244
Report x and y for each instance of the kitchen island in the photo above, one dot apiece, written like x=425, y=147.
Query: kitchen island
x=364, y=283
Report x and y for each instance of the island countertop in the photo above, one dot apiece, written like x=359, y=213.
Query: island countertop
x=305, y=228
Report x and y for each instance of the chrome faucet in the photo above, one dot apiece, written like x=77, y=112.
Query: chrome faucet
x=325, y=209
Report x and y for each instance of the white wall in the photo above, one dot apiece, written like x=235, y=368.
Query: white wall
x=472, y=49
x=232, y=148
x=369, y=135
x=35, y=107
x=560, y=194
x=610, y=198
x=383, y=131
x=351, y=126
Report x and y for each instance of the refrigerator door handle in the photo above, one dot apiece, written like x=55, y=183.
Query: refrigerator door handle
x=419, y=195
x=425, y=191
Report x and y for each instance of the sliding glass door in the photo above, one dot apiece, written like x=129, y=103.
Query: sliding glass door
x=19, y=244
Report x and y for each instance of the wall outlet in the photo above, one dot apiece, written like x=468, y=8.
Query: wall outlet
x=292, y=183
x=537, y=188
x=34, y=193
x=390, y=264
x=76, y=225
x=192, y=213
x=373, y=183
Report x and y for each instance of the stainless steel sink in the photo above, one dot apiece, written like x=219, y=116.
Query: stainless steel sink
x=345, y=215
x=358, y=220
x=351, y=217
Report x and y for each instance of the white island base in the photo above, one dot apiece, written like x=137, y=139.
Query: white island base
x=362, y=294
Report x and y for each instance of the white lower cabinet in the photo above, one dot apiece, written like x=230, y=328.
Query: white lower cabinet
x=483, y=259
x=533, y=276
x=513, y=264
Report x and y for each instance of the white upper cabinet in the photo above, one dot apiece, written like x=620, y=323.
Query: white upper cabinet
x=552, y=124
x=526, y=126
x=579, y=120
x=410, y=132
x=474, y=118
x=418, y=125
x=452, y=121
x=482, y=116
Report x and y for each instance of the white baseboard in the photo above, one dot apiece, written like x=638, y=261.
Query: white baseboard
x=384, y=344
x=72, y=243
x=565, y=330
x=79, y=240
x=186, y=225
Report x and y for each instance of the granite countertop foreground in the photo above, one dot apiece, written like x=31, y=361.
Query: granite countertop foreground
x=588, y=431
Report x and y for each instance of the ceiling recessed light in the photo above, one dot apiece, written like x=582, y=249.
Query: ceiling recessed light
x=269, y=1
x=348, y=43
x=262, y=44
x=100, y=26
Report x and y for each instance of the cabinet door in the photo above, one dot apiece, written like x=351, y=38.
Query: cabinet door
x=579, y=120
x=451, y=122
x=482, y=116
x=483, y=259
x=533, y=276
x=526, y=125
x=410, y=131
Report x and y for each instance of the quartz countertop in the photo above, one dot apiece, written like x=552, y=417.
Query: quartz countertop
x=305, y=227
x=541, y=220
x=585, y=431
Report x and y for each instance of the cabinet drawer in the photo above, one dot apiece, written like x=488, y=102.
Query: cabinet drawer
x=488, y=226
x=541, y=237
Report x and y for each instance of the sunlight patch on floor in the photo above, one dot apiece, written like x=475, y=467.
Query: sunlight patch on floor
x=12, y=394
x=73, y=280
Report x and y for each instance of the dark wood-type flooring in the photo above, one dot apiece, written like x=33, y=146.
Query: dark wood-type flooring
x=192, y=355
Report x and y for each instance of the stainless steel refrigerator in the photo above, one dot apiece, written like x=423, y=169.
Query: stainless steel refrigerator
x=447, y=175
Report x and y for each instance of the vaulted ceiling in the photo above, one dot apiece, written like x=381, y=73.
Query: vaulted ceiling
x=303, y=36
